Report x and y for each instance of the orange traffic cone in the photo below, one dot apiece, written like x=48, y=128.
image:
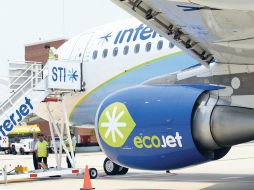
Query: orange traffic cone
x=87, y=181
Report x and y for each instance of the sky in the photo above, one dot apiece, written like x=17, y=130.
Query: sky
x=30, y=21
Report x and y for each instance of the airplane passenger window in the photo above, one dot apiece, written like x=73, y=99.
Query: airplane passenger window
x=171, y=45
x=105, y=53
x=148, y=46
x=125, y=50
x=136, y=48
x=160, y=45
x=115, y=51
x=95, y=53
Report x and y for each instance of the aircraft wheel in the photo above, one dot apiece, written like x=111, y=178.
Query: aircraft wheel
x=22, y=151
x=93, y=173
x=110, y=167
x=123, y=170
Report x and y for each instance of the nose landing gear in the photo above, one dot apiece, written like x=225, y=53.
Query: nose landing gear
x=112, y=168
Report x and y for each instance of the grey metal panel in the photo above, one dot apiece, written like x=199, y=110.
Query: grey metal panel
x=232, y=125
x=246, y=87
x=201, y=31
x=220, y=126
x=201, y=122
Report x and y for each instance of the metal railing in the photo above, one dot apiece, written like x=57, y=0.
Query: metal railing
x=28, y=68
x=24, y=88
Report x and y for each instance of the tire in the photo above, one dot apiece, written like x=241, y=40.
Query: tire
x=7, y=151
x=22, y=151
x=93, y=173
x=13, y=150
x=123, y=170
x=110, y=167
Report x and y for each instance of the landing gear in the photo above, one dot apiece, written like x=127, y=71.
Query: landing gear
x=93, y=173
x=123, y=170
x=112, y=168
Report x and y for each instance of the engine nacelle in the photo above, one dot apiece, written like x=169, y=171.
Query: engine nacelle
x=158, y=127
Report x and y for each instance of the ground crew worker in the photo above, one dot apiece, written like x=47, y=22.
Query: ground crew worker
x=51, y=52
x=35, y=161
x=42, y=151
x=74, y=142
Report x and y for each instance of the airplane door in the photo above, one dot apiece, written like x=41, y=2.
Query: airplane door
x=79, y=51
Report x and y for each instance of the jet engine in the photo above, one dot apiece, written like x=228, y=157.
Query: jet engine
x=169, y=127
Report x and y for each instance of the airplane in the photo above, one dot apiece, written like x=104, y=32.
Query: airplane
x=194, y=115
x=114, y=56
x=168, y=92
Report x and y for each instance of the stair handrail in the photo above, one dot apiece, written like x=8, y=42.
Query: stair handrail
x=20, y=88
x=29, y=68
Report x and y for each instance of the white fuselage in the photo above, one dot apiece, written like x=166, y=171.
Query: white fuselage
x=128, y=53
x=109, y=51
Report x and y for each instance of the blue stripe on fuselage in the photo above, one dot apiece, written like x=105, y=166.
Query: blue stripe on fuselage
x=86, y=111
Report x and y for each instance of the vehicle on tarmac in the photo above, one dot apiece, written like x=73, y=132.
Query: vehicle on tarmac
x=19, y=140
x=24, y=146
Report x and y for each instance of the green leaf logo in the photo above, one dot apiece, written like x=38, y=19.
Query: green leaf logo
x=116, y=124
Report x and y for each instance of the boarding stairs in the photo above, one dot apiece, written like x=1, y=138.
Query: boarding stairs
x=33, y=83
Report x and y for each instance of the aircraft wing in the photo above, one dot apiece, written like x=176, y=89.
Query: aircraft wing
x=208, y=30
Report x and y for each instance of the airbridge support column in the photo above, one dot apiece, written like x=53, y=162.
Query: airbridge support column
x=57, y=157
x=67, y=125
x=54, y=129
x=61, y=141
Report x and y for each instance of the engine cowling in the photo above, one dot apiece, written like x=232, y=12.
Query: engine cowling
x=163, y=127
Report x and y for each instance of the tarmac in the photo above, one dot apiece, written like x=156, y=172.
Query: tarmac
x=233, y=172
